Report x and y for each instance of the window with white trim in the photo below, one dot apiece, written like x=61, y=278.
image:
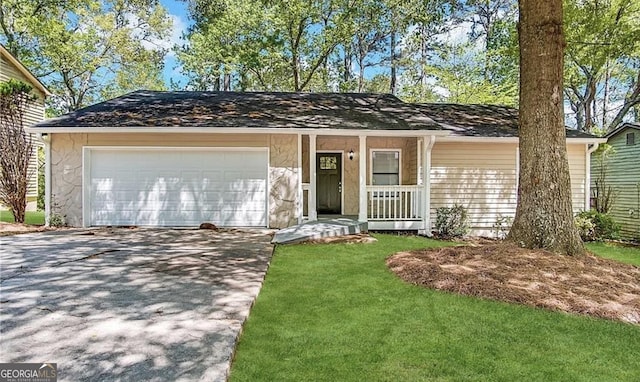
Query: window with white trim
x=385, y=167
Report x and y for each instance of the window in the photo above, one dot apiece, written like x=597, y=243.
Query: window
x=631, y=138
x=328, y=163
x=385, y=167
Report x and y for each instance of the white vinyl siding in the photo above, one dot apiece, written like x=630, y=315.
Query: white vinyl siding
x=479, y=176
x=482, y=177
x=577, y=165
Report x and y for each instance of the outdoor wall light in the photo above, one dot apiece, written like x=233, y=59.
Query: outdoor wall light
x=351, y=154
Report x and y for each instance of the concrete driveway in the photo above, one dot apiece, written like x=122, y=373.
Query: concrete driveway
x=129, y=304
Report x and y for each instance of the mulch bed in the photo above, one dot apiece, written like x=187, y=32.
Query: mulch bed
x=9, y=229
x=587, y=285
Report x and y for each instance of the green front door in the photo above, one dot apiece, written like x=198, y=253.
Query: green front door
x=329, y=183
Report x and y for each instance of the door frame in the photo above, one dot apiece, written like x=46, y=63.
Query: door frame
x=341, y=152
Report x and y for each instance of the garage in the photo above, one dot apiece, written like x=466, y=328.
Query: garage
x=176, y=187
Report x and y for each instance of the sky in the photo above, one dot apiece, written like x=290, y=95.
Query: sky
x=178, y=12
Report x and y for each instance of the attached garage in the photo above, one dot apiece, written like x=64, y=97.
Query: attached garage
x=175, y=187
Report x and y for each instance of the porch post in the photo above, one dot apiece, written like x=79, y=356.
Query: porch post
x=311, y=208
x=299, y=209
x=427, y=145
x=362, y=162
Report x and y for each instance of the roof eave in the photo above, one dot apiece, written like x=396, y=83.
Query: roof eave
x=232, y=130
x=458, y=138
x=26, y=72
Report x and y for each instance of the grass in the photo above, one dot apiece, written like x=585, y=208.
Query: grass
x=334, y=312
x=629, y=255
x=31, y=217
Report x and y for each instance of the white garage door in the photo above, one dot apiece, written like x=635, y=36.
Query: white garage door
x=178, y=187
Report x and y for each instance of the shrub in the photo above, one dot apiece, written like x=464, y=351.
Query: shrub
x=586, y=228
x=451, y=222
x=594, y=225
x=502, y=226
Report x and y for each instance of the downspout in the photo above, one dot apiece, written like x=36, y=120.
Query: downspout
x=46, y=140
x=587, y=180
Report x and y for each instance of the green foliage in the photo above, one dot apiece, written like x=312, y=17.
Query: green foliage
x=451, y=222
x=502, y=226
x=602, y=61
x=596, y=226
x=87, y=51
x=350, y=45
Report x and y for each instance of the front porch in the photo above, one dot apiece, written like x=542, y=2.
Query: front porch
x=381, y=180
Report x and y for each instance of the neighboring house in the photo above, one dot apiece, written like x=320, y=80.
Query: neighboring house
x=276, y=159
x=623, y=174
x=12, y=68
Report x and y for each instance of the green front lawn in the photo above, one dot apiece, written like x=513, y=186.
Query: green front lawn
x=629, y=255
x=334, y=312
x=31, y=217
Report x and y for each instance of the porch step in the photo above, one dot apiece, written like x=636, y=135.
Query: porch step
x=319, y=229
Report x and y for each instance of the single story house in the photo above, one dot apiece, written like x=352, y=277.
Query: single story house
x=622, y=171
x=276, y=159
x=12, y=68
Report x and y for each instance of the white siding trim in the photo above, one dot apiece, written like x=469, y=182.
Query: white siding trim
x=362, y=178
x=299, y=208
x=237, y=130
x=312, y=211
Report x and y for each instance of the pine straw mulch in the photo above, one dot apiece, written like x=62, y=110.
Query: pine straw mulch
x=587, y=285
x=9, y=229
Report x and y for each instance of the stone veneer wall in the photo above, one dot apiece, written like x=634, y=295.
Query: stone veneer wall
x=66, y=176
x=66, y=169
x=283, y=179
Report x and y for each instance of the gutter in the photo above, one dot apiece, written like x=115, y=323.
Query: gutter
x=235, y=130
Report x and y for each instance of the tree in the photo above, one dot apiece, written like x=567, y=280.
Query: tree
x=17, y=146
x=544, y=217
x=602, y=71
x=87, y=51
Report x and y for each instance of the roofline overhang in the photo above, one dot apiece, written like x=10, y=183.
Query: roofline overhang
x=625, y=125
x=235, y=130
x=456, y=138
x=26, y=72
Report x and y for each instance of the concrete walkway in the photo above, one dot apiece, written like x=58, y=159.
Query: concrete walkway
x=129, y=304
x=318, y=229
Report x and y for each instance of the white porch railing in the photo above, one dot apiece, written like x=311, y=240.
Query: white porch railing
x=394, y=203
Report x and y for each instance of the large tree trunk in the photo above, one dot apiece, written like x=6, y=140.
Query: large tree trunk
x=544, y=217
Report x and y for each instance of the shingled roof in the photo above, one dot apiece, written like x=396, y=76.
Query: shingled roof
x=480, y=120
x=249, y=110
x=341, y=111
